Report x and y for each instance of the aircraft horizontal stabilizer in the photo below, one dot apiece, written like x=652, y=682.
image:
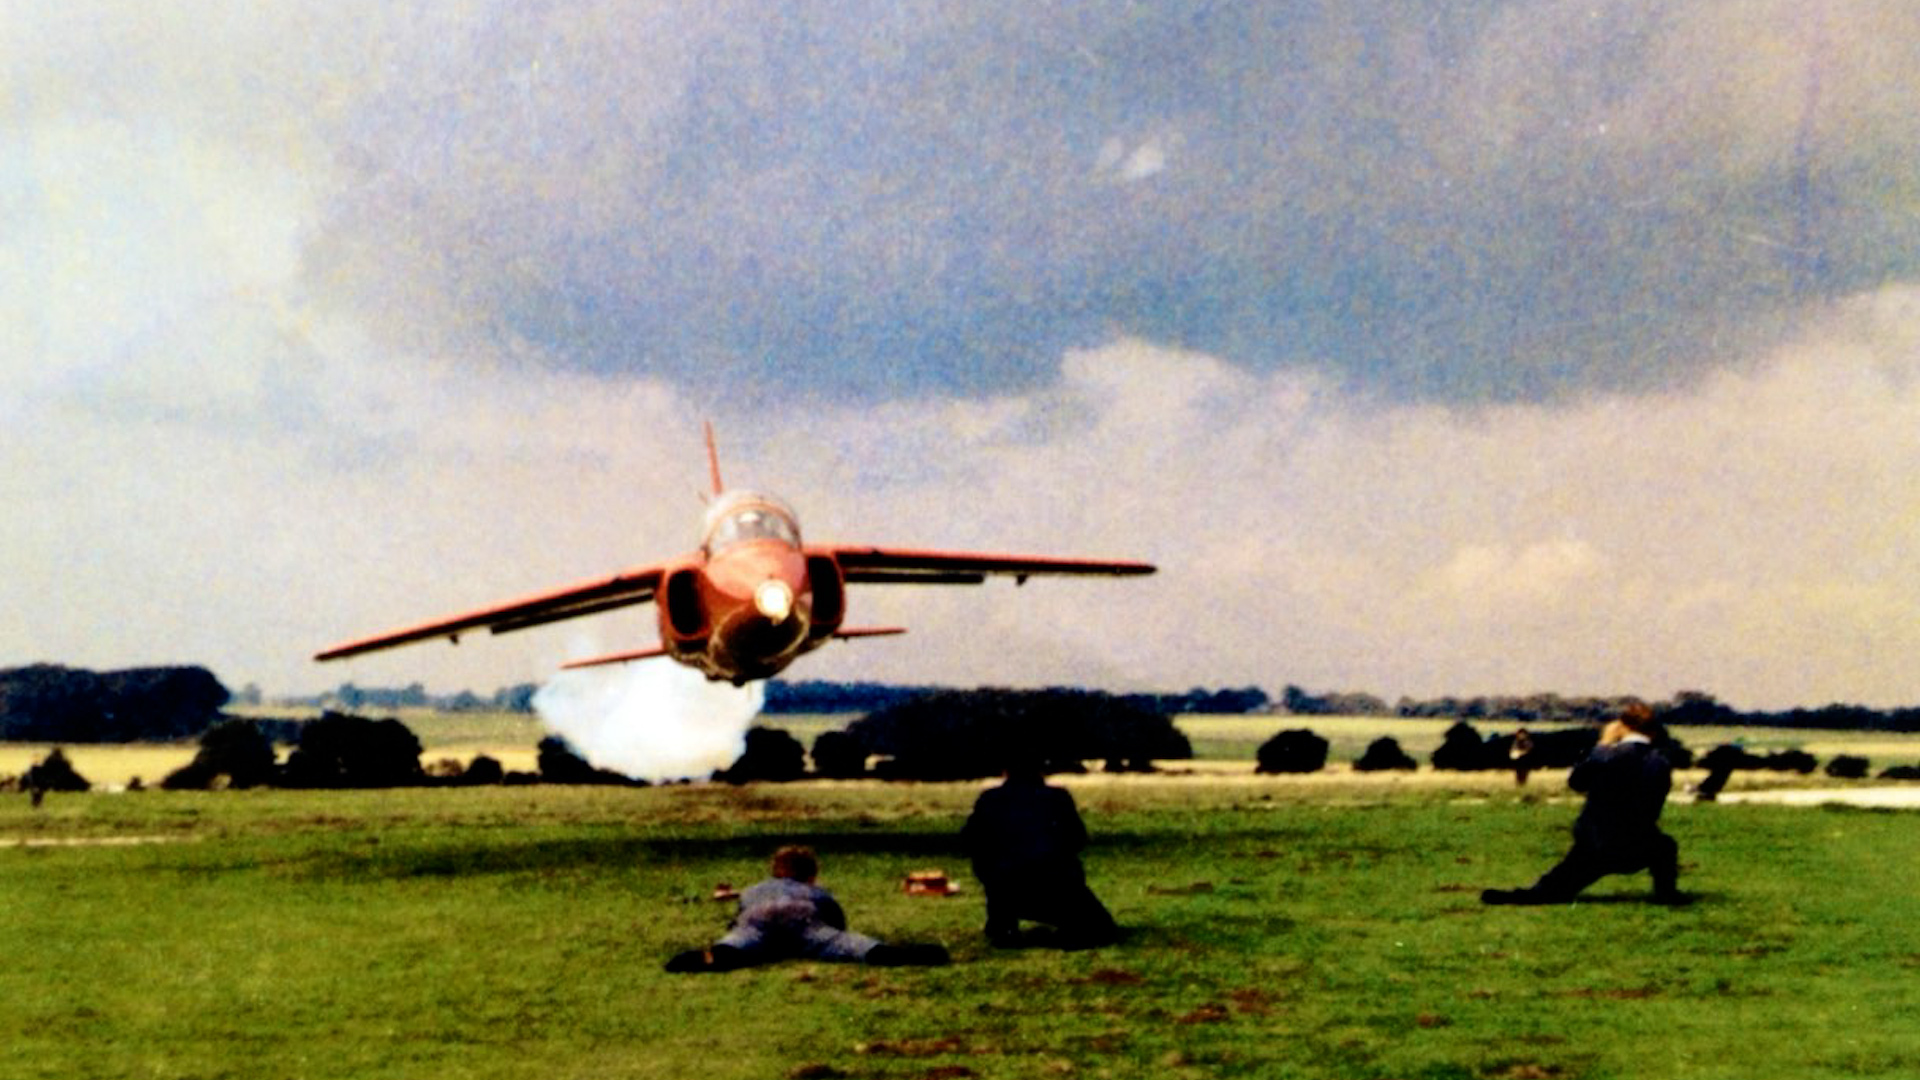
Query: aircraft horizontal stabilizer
x=869, y=631
x=615, y=658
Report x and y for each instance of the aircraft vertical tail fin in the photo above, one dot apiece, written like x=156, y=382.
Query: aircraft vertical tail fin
x=713, y=460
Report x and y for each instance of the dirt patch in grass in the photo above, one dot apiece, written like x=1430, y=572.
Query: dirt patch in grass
x=88, y=841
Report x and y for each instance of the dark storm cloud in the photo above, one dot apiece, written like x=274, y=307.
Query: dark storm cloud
x=1475, y=201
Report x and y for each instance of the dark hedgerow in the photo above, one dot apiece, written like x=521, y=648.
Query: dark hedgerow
x=967, y=734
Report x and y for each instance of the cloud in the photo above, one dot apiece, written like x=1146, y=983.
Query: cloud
x=1492, y=203
x=1536, y=576
x=1425, y=356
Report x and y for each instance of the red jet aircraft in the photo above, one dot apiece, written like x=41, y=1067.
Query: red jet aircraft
x=750, y=599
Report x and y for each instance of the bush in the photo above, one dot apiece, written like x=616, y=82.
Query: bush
x=54, y=773
x=1462, y=749
x=839, y=756
x=559, y=764
x=1798, y=761
x=1383, y=754
x=770, y=754
x=340, y=750
x=1294, y=751
x=1727, y=757
x=235, y=749
x=1847, y=767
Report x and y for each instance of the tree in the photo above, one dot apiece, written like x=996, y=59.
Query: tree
x=839, y=755
x=53, y=773
x=1383, y=754
x=770, y=754
x=50, y=703
x=341, y=750
x=1847, y=767
x=1296, y=751
x=1461, y=748
x=483, y=770
x=559, y=764
x=235, y=749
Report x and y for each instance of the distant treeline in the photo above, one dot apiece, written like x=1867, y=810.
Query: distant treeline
x=1685, y=707
x=514, y=699
x=51, y=703
x=823, y=697
x=803, y=697
x=811, y=696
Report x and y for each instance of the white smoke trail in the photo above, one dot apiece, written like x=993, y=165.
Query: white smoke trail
x=655, y=720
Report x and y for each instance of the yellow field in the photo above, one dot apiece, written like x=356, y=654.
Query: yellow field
x=115, y=766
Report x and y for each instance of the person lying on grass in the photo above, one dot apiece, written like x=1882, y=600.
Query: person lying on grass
x=788, y=916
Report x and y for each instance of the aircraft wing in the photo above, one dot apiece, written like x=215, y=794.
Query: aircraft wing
x=635, y=586
x=869, y=565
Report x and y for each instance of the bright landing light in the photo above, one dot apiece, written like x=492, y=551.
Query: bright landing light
x=774, y=600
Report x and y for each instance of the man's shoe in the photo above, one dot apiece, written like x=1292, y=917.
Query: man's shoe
x=717, y=958
x=1514, y=896
x=691, y=961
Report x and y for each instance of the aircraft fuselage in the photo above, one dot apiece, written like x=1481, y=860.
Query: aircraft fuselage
x=745, y=614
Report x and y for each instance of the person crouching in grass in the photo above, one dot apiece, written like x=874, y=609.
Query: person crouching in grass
x=1625, y=779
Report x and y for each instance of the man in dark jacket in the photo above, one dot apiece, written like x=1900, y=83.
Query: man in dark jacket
x=1025, y=839
x=1626, y=780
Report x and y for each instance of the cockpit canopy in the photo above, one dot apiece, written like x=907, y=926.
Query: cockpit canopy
x=740, y=516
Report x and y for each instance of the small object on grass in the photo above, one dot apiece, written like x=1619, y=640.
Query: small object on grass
x=928, y=883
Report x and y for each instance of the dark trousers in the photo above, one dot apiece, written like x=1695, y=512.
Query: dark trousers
x=1066, y=904
x=1588, y=863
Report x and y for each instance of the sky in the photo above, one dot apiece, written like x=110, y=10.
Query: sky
x=1429, y=348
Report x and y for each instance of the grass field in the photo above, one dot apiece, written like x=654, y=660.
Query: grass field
x=1279, y=927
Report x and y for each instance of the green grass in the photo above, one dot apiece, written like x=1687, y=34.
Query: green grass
x=1278, y=929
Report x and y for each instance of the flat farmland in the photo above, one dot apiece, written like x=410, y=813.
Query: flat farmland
x=1277, y=927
